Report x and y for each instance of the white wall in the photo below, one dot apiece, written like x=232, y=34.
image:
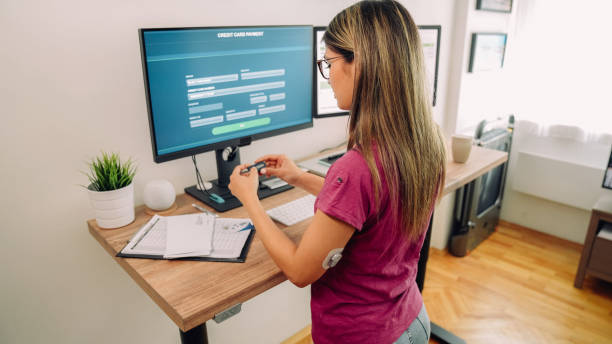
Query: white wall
x=555, y=211
x=481, y=95
x=72, y=86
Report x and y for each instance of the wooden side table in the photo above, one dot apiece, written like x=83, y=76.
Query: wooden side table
x=596, y=258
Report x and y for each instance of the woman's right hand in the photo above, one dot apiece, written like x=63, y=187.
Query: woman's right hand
x=280, y=166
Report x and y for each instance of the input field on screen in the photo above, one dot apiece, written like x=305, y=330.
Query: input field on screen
x=262, y=74
x=277, y=96
x=236, y=90
x=204, y=108
x=259, y=99
x=239, y=115
x=271, y=109
x=211, y=79
x=206, y=121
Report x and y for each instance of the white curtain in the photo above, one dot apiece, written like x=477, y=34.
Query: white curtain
x=561, y=67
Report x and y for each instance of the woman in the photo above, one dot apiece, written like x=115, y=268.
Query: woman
x=373, y=207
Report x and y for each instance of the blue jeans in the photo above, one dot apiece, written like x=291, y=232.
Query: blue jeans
x=418, y=332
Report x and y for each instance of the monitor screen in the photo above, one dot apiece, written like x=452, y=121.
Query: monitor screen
x=210, y=88
x=325, y=100
x=607, y=182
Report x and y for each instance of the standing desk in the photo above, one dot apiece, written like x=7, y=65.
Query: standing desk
x=192, y=292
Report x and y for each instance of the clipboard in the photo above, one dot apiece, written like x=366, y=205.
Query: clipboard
x=153, y=238
x=239, y=259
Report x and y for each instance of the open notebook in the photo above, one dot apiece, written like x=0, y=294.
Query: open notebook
x=193, y=236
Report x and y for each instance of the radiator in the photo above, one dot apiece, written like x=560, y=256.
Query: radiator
x=478, y=204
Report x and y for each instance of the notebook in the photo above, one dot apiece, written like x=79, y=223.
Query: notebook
x=191, y=237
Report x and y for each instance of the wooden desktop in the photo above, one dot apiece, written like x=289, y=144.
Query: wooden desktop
x=191, y=293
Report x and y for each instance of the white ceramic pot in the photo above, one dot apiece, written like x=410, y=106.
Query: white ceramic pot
x=113, y=208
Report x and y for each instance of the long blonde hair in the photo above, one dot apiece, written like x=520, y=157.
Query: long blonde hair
x=391, y=107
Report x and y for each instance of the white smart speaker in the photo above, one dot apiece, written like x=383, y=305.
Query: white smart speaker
x=159, y=195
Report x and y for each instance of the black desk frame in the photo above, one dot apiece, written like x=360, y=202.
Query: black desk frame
x=437, y=332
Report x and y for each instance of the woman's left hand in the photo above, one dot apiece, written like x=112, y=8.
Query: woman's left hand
x=244, y=186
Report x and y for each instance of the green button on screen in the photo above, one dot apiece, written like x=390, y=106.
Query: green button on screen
x=241, y=126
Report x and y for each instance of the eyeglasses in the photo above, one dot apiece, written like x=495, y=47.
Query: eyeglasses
x=324, y=66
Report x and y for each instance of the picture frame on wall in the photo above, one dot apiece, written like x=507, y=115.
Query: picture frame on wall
x=607, y=181
x=494, y=5
x=430, y=41
x=487, y=52
x=324, y=100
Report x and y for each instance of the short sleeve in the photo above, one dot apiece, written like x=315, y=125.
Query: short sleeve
x=346, y=192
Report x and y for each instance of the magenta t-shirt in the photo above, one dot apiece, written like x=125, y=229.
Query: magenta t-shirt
x=371, y=295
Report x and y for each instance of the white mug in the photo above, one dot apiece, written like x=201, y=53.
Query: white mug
x=461, y=146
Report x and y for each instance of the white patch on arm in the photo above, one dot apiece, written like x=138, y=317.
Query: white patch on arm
x=333, y=257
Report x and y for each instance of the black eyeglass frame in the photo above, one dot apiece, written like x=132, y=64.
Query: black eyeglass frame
x=320, y=65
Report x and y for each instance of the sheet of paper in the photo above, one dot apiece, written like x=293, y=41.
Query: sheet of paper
x=192, y=235
x=154, y=240
x=229, y=237
x=189, y=235
x=605, y=232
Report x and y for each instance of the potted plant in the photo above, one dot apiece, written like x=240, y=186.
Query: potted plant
x=111, y=191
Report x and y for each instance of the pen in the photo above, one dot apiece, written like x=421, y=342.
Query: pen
x=203, y=210
x=249, y=226
x=258, y=166
x=145, y=233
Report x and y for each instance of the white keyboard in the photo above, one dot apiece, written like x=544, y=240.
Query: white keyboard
x=294, y=211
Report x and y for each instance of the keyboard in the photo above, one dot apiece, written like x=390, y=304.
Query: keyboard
x=331, y=159
x=274, y=183
x=295, y=211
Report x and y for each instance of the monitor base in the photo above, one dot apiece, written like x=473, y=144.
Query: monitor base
x=230, y=202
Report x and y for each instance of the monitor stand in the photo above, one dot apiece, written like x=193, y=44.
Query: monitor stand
x=227, y=160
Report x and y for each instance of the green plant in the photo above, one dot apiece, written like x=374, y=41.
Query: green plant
x=109, y=173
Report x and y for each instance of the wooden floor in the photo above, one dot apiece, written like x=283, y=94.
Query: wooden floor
x=515, y=287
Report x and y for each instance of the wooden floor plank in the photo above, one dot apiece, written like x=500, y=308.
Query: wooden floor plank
x=517, y=287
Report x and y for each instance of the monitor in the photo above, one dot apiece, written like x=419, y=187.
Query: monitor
x=325, y=100
x=607, y=181
x=430, y=42
x=218, y=88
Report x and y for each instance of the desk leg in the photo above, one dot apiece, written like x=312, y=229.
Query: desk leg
x=196, y=335
x=437, y=332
